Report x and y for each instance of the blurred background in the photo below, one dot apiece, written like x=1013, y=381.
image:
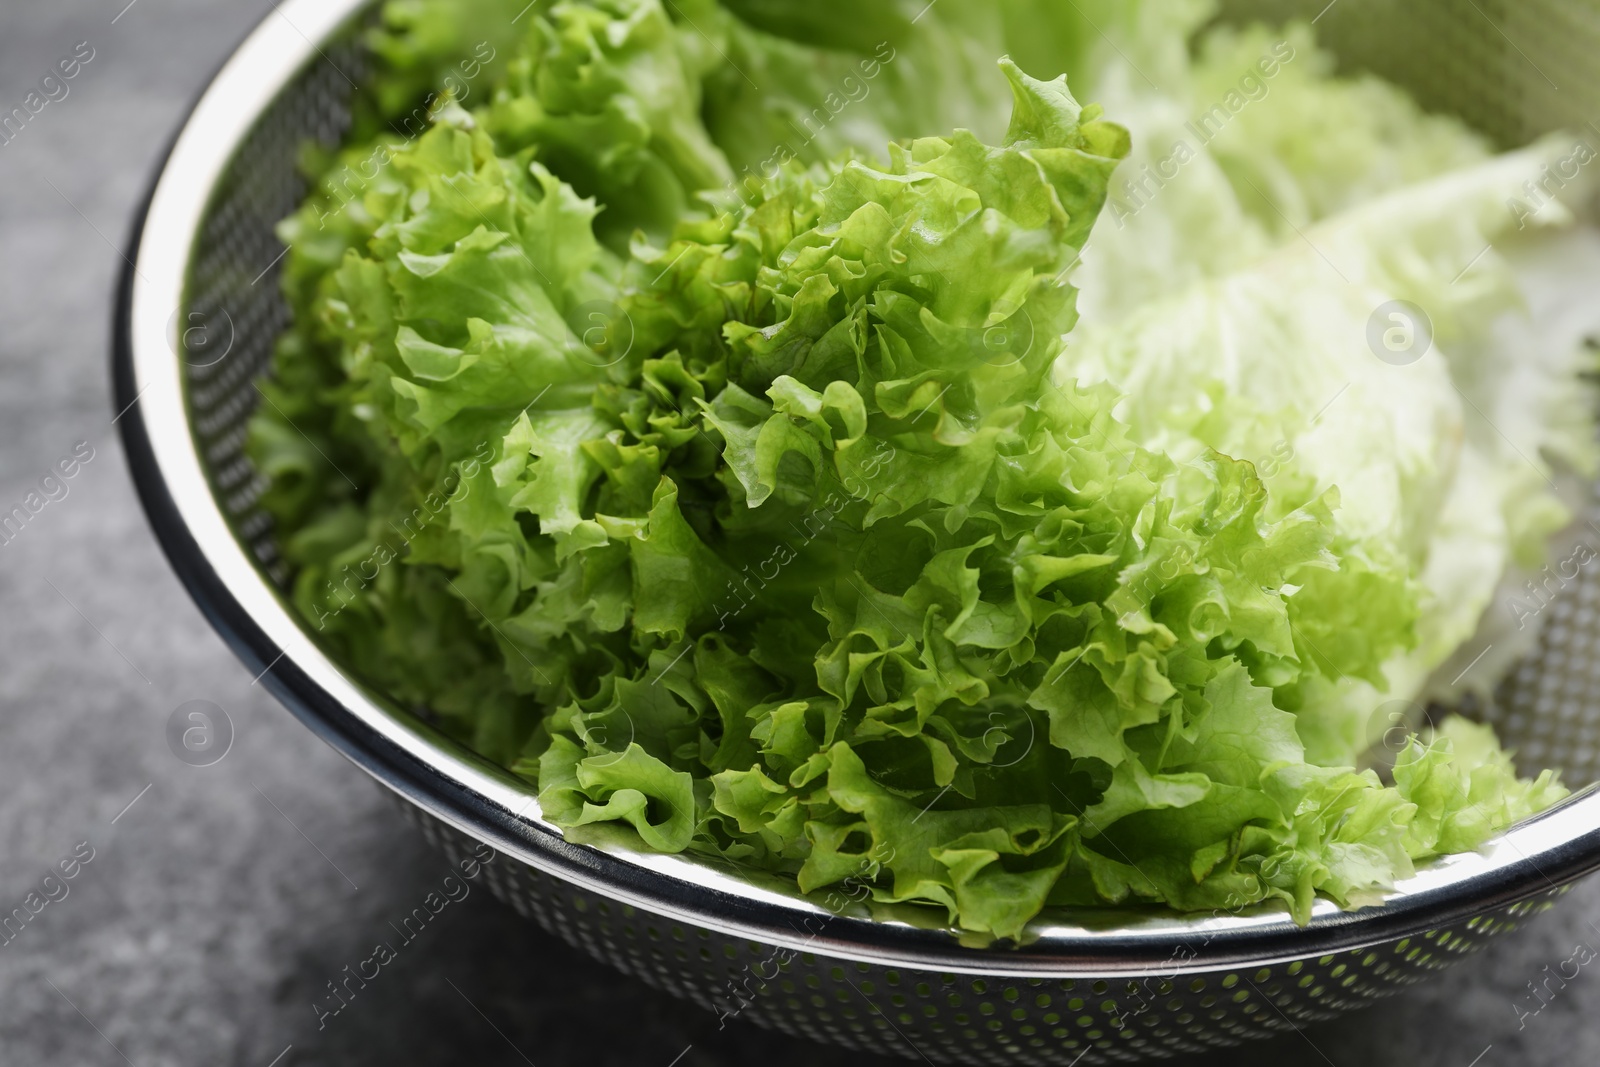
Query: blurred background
x=217, y=902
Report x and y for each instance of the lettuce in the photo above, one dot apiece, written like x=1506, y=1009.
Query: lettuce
x=1303, y=203
x=773, y=506
x=1414, y=457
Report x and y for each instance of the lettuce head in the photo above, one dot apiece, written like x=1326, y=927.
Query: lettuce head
x=772, y=504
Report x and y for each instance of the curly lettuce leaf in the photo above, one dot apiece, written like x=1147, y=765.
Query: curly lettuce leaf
x=1410, y=448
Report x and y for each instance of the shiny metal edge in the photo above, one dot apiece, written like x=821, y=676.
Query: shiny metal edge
x=1532, y=859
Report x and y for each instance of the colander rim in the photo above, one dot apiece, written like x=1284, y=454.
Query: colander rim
x=464, y=791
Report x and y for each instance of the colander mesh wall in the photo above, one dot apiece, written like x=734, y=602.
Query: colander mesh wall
x=1515, y=69
x=964, y=1019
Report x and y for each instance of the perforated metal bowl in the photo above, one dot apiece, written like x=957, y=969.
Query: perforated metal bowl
x=196, y=322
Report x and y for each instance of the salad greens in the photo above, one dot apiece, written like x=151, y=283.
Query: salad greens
x=695, y=418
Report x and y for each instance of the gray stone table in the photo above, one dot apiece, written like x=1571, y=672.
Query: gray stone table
x=219, y=903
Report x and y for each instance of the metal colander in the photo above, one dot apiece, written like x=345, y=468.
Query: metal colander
x=197, y=319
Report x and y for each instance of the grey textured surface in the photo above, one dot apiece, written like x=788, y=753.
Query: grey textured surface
x=219, y=904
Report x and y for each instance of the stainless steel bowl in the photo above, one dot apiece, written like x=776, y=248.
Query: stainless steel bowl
x=196, y=320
